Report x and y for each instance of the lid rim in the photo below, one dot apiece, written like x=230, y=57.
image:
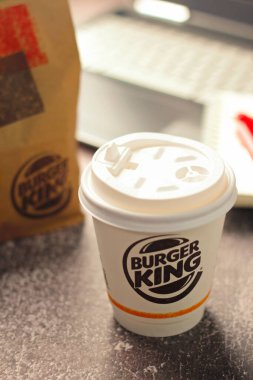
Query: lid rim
x=162, y=223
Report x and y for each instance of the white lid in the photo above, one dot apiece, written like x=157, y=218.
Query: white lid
x=153, y=182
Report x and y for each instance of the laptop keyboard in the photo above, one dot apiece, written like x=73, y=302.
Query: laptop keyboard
x=187, y=65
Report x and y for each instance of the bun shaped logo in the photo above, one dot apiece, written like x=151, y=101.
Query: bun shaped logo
x=42, y=186
x=163, y=269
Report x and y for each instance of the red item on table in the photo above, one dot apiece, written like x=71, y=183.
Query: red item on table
x=244, y=132
x=246, y=120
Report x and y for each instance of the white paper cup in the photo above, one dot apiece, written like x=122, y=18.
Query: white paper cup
x=158, y=204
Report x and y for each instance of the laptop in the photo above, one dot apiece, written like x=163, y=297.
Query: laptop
x=154, y=66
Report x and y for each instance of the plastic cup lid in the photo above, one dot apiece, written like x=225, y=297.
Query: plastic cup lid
x=157, y=183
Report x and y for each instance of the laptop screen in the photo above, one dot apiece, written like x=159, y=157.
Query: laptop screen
x=235, y=10
x=232, y=17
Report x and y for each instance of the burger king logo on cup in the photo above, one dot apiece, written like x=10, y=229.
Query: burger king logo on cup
x=163, y=269
x=41, y=186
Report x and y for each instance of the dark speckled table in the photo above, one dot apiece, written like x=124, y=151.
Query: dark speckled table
x=56, y=321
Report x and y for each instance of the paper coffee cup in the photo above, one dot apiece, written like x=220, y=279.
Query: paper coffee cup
x=158, y=204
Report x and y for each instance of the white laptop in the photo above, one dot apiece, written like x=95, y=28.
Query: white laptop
x=152, y=67
x=156, y=65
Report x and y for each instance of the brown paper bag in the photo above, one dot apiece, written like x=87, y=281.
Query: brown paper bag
x=39, y=78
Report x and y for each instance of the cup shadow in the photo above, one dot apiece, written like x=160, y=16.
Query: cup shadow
x=201, y=353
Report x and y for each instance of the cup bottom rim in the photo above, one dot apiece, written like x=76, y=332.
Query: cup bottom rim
x=154, y=328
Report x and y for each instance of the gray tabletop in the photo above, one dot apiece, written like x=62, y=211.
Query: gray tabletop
x=56, y=321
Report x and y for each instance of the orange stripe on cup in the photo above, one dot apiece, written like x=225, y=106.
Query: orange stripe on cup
x=144, y=314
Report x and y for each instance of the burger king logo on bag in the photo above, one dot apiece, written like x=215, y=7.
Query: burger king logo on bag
x=41, y=186
x=163, y=269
